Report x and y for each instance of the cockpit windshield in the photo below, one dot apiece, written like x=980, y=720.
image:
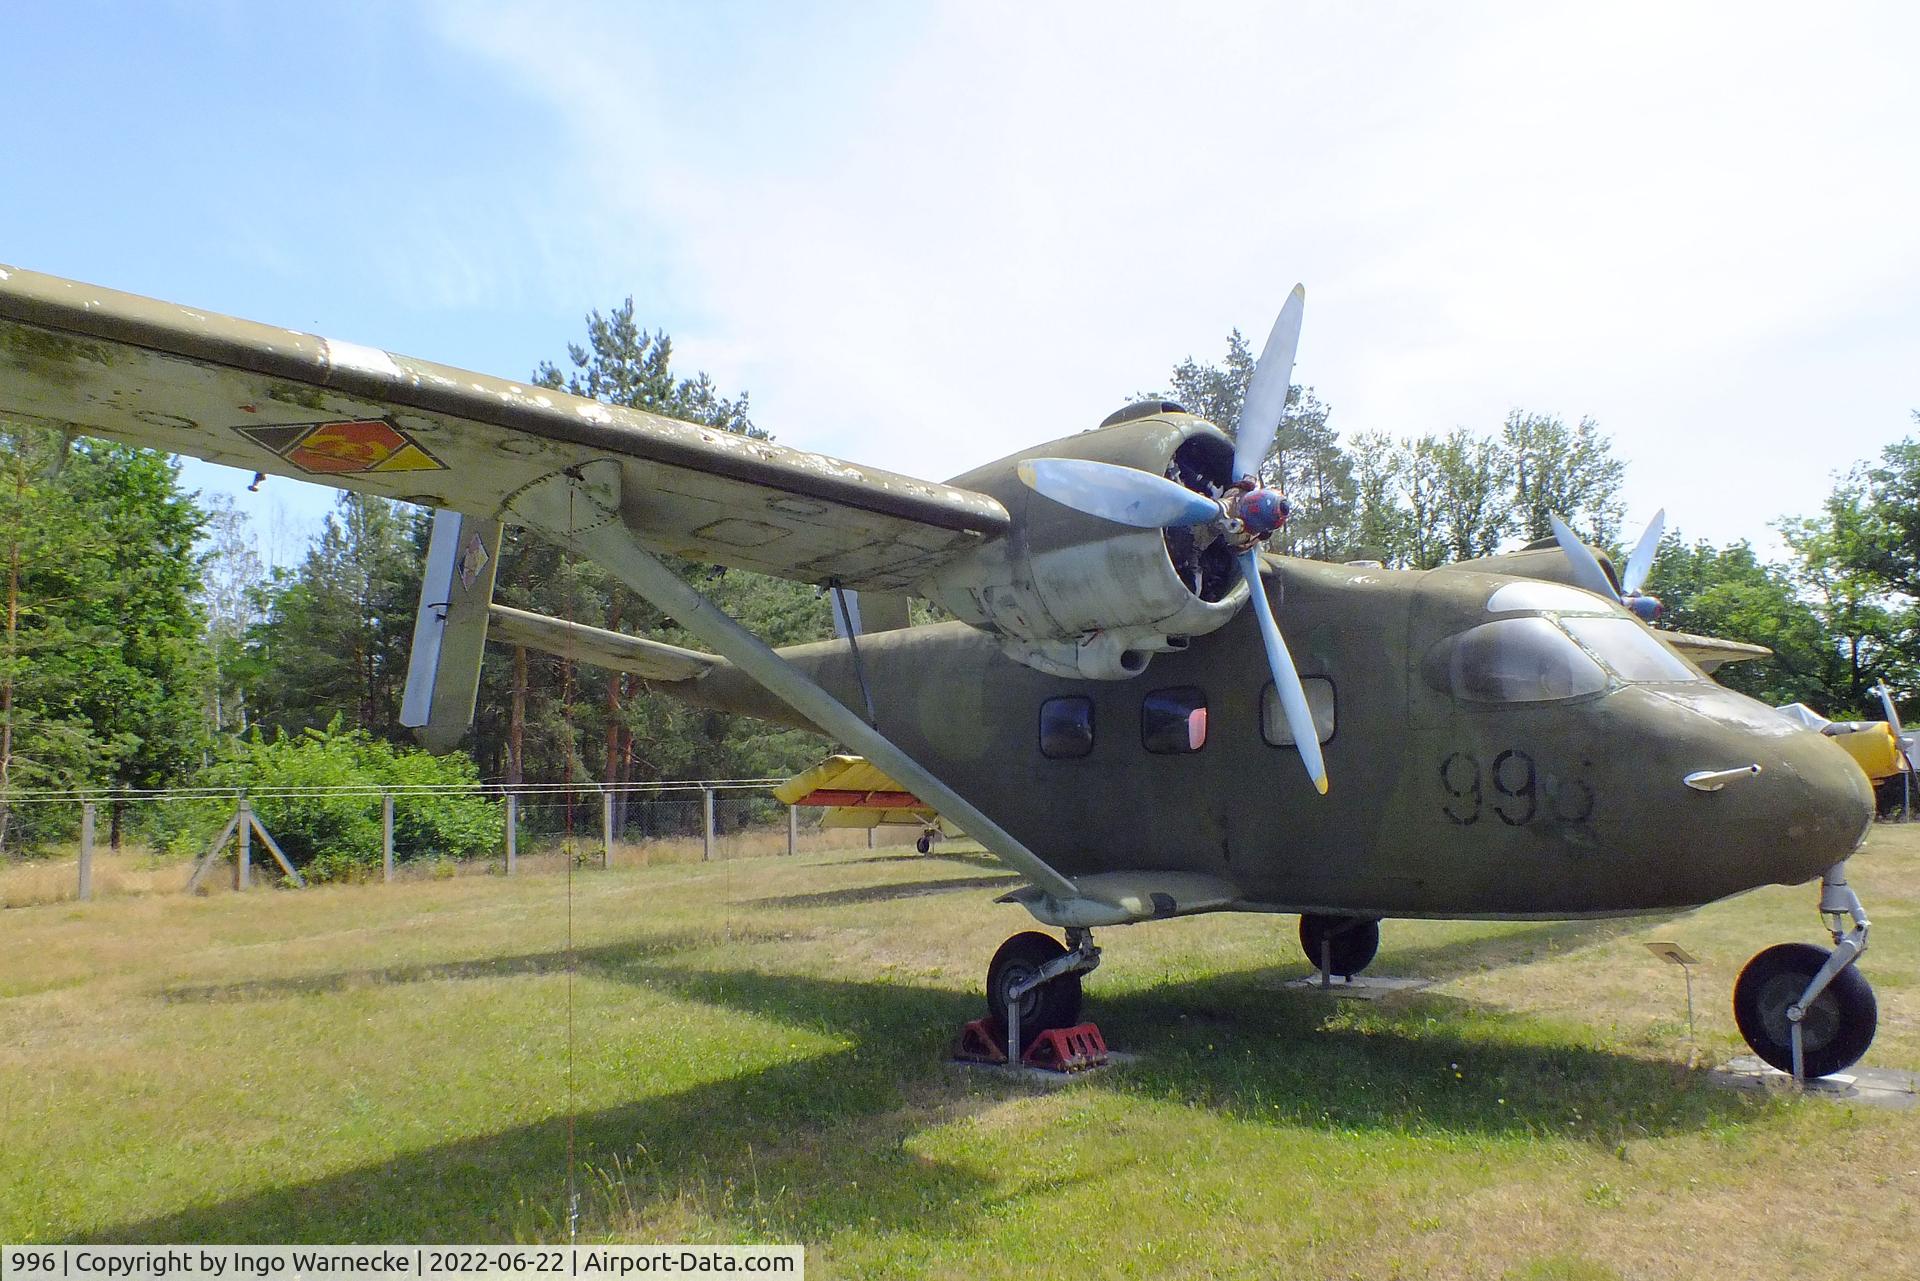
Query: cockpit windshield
x=1537, y=659
x=1625, y=646
x=1513, y=660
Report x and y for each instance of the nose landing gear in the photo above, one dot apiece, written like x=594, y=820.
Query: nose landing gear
x=1806, y=1010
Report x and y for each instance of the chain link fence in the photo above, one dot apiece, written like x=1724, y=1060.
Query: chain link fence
x=57, y=846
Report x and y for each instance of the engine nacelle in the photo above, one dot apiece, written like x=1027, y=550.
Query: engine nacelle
x=1075, y=595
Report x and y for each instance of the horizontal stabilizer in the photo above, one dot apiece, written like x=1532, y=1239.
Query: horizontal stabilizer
x=599, y=647
x=1709, y=652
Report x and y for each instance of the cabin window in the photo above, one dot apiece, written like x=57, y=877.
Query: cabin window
x=1273, y=717
x=1174, y=721
x=1514, y=660
x=1629, y=649
x=1066, y=727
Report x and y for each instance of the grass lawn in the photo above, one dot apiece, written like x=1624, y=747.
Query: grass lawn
x=758, y=1053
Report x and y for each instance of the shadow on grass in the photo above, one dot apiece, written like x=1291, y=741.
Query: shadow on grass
x=493, y=967
x=887, y=893
x=792, y=1151
x=1476, y=954
x=806, y=1147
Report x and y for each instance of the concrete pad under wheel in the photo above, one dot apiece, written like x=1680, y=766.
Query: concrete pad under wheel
x=1043, y=1076
x=1361, y=987
x=1875, y=1087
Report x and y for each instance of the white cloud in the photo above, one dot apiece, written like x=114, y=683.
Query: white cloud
x=927, y=238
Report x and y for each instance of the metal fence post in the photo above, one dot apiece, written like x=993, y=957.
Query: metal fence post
x=706, y=827
x=86, y=850
x=606, y=828
x=386, y=835
x=793, y=827
x=243, y=854
x=513, y=824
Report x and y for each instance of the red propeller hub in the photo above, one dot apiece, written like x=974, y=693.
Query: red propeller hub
x=1263, y=511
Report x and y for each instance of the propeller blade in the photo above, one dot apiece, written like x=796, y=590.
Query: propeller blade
x=1886, y=701
x=1586, y=570
x=1293, y=698
x=1266, y=398
x=1641, y=562
x=1121, y=494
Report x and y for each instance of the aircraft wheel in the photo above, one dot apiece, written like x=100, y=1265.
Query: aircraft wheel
x=1352, y=942
x=924, y=844
x=1054, y=1004
x=1838, y=1026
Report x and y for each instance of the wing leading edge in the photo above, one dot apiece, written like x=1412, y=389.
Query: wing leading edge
x=252, y=396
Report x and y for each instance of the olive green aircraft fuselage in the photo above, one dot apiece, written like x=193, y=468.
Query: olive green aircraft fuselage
x=1440, y=806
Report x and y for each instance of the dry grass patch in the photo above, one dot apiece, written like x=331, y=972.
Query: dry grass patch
x=757, y=1053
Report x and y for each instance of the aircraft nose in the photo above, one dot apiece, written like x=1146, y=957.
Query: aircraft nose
x=1825, y=805
x=1808, y=807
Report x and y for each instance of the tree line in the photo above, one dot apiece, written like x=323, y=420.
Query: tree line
x=145, y=644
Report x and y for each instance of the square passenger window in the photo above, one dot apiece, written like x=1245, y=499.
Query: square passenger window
x=1273, y=717
x=1066, y=727
x=1174, y=721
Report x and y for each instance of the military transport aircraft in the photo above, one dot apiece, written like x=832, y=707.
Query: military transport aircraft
x=1117, y=714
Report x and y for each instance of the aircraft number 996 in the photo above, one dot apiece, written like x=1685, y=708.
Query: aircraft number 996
x=1512, y=789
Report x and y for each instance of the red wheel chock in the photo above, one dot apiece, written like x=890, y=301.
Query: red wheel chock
x=978, y=1044
x=1071, y=1049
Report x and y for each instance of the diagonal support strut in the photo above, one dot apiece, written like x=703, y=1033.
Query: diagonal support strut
x=579, y=508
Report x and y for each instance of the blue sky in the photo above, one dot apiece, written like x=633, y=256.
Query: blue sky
x=924, y=236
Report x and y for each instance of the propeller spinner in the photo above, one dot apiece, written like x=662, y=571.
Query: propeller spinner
x=1246, y=514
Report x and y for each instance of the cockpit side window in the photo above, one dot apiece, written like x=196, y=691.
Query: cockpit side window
x=1629, y=650
x=1512, y=660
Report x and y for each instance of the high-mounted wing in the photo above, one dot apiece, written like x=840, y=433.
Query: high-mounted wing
x=150, y=373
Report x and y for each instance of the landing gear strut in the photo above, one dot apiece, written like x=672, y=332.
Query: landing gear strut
x=1806, y=1010
x=1033, y=985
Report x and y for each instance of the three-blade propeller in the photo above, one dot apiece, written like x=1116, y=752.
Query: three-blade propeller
x=1587, y=572
x=1245, y=515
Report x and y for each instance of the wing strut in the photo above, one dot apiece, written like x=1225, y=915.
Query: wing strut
x=580, y=508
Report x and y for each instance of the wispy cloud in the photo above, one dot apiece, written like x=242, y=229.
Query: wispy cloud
x=927, y=238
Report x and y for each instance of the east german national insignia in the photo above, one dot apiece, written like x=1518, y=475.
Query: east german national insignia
x=344, y=448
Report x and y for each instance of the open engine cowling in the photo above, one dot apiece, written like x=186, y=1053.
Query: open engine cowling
x=1075, y=595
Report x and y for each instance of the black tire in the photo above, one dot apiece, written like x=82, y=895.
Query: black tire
x=1839, y=1025
x=1053, y=1004
x=924, y=844
x=1352, y=942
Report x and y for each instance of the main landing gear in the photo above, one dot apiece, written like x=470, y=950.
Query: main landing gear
x=1339, y=945
x=1033, y=985
x=1806, y=1010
